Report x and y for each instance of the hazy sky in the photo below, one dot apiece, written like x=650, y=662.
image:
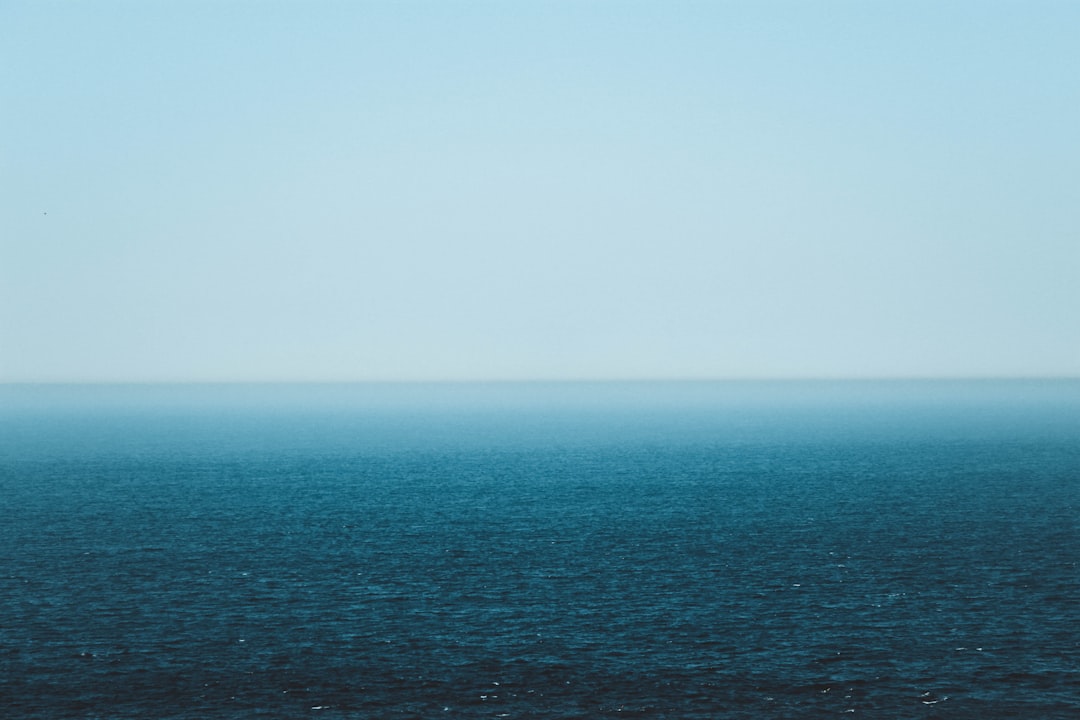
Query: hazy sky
x=512, y=190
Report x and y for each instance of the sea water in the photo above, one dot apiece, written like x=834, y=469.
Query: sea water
x=681, y=550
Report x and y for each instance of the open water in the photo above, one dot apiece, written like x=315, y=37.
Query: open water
x=685, y=550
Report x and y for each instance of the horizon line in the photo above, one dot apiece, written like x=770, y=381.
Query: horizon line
x=555, y=381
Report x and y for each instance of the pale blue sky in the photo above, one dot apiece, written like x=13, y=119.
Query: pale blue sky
x=525, y=190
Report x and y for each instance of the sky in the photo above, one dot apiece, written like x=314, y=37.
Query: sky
x=448, y=190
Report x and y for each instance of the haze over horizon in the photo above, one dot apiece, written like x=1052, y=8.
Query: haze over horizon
x=458, y=191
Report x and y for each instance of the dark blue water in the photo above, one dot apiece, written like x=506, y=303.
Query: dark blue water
x=757, y=550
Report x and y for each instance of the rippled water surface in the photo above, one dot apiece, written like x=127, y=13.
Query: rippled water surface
x=889, y=550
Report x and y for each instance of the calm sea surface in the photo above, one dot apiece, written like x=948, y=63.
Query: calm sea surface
x=687, y=550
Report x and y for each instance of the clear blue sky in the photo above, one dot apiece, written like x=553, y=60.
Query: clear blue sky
x=437, y=190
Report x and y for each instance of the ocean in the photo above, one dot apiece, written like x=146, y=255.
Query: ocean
x=899, y=549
